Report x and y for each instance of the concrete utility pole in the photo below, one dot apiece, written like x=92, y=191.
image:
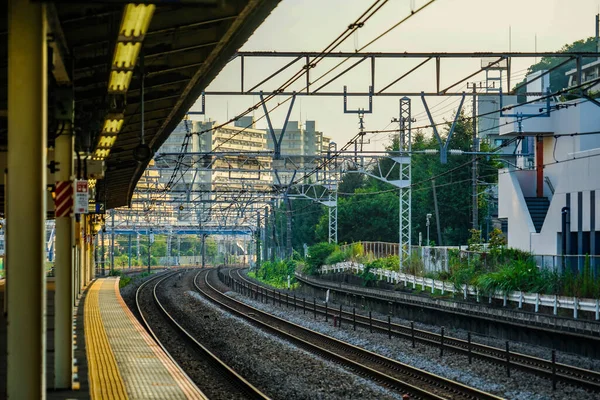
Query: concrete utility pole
x=203, y=250
x=112, y=241
x=474, y=163
x=103, y=258
x=437, y=214
x=258, y=239
x=289, y=251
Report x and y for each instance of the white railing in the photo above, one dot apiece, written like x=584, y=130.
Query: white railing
x=437, y=258
x=556, y=302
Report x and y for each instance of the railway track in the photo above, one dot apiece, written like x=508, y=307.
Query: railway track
x=418, y=384
x=222, y=381
x=546, y=368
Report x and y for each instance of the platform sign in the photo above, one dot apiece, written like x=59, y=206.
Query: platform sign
x=82, y=197
x=96, y=208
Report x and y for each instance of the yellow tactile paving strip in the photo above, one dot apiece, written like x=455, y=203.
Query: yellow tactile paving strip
x=104, y=378
x=147, y=372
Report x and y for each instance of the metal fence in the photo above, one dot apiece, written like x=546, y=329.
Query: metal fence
x=438, y=259
x=556, y=302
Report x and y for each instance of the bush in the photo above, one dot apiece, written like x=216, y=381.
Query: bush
x=317, y=254
x=336, y=257
x=276, y=273
x=520, y=275
x=391, y=263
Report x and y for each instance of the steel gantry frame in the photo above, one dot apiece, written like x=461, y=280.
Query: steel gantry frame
x=248, y=181
x=489, y=61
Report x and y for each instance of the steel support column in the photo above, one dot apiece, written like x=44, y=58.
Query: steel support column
x=86, y=250
x=80, y=230
x=63, y=272
x=405, y=147
x=26, y=212
x=333, y=217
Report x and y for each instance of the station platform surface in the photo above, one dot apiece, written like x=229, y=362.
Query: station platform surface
x=116, y=357
x=123, y=359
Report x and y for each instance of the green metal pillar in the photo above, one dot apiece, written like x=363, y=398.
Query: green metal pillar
x=63, y=270
x=26, y=211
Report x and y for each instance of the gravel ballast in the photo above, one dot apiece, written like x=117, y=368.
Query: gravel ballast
x=278, y=368
x=479, y=374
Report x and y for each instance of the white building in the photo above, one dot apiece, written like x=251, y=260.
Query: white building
x=299, y=146
x=532, y=198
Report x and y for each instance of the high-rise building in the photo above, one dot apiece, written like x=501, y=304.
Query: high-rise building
x=231, y=171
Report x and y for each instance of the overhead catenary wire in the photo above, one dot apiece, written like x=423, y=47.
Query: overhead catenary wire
x=376, y=6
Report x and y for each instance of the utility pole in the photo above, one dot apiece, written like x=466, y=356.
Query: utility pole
x=266, y=234
x=474, y=162
x=437, y=214
x=178, y=249
x=129, y=236
x=257, y=240
x=150, y=241
x=112, y=242
x=289, y=251
x=203, y=250
x=273, y=232
x=103, y=258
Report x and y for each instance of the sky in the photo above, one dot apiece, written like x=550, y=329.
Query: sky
x=444, y=26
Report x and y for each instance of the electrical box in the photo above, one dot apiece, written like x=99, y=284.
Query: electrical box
x=95, y=169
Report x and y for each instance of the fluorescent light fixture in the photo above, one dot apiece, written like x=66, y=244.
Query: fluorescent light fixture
x=101, y=154
x=136, y=19
x=126, y=55
x=106, y=141
x=112, y=125
x=119, y=81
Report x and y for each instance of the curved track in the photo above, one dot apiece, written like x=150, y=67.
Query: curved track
x=221, y=380
x=560, y=372
x=403, y=378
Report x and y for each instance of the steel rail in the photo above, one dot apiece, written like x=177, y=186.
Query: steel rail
x=401, y=377
x=565, y=373
x=237, y=381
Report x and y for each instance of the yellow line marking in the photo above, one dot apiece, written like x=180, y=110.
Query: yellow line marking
x=104, y=376
x=190, y=390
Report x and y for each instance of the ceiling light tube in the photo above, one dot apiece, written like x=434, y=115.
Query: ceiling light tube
x=101, y=154
x=119, y=81
x=106, y=141
x=136, y=20
x=112, y=125
x=126, y=55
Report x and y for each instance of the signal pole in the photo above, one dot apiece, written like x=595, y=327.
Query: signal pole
x=474, y=162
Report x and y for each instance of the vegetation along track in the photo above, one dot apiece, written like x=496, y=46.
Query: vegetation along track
x=418, y=384
x=218, y=380
x=546, y=368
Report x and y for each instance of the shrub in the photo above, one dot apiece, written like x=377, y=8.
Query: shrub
x=413, y=266
x=276, y=273
x=317, y=254
x=336, y=257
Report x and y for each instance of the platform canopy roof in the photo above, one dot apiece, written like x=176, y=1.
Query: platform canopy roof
x=186, y=45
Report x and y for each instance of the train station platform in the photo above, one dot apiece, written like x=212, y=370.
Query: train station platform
x=115, y=356
x=123, y=360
